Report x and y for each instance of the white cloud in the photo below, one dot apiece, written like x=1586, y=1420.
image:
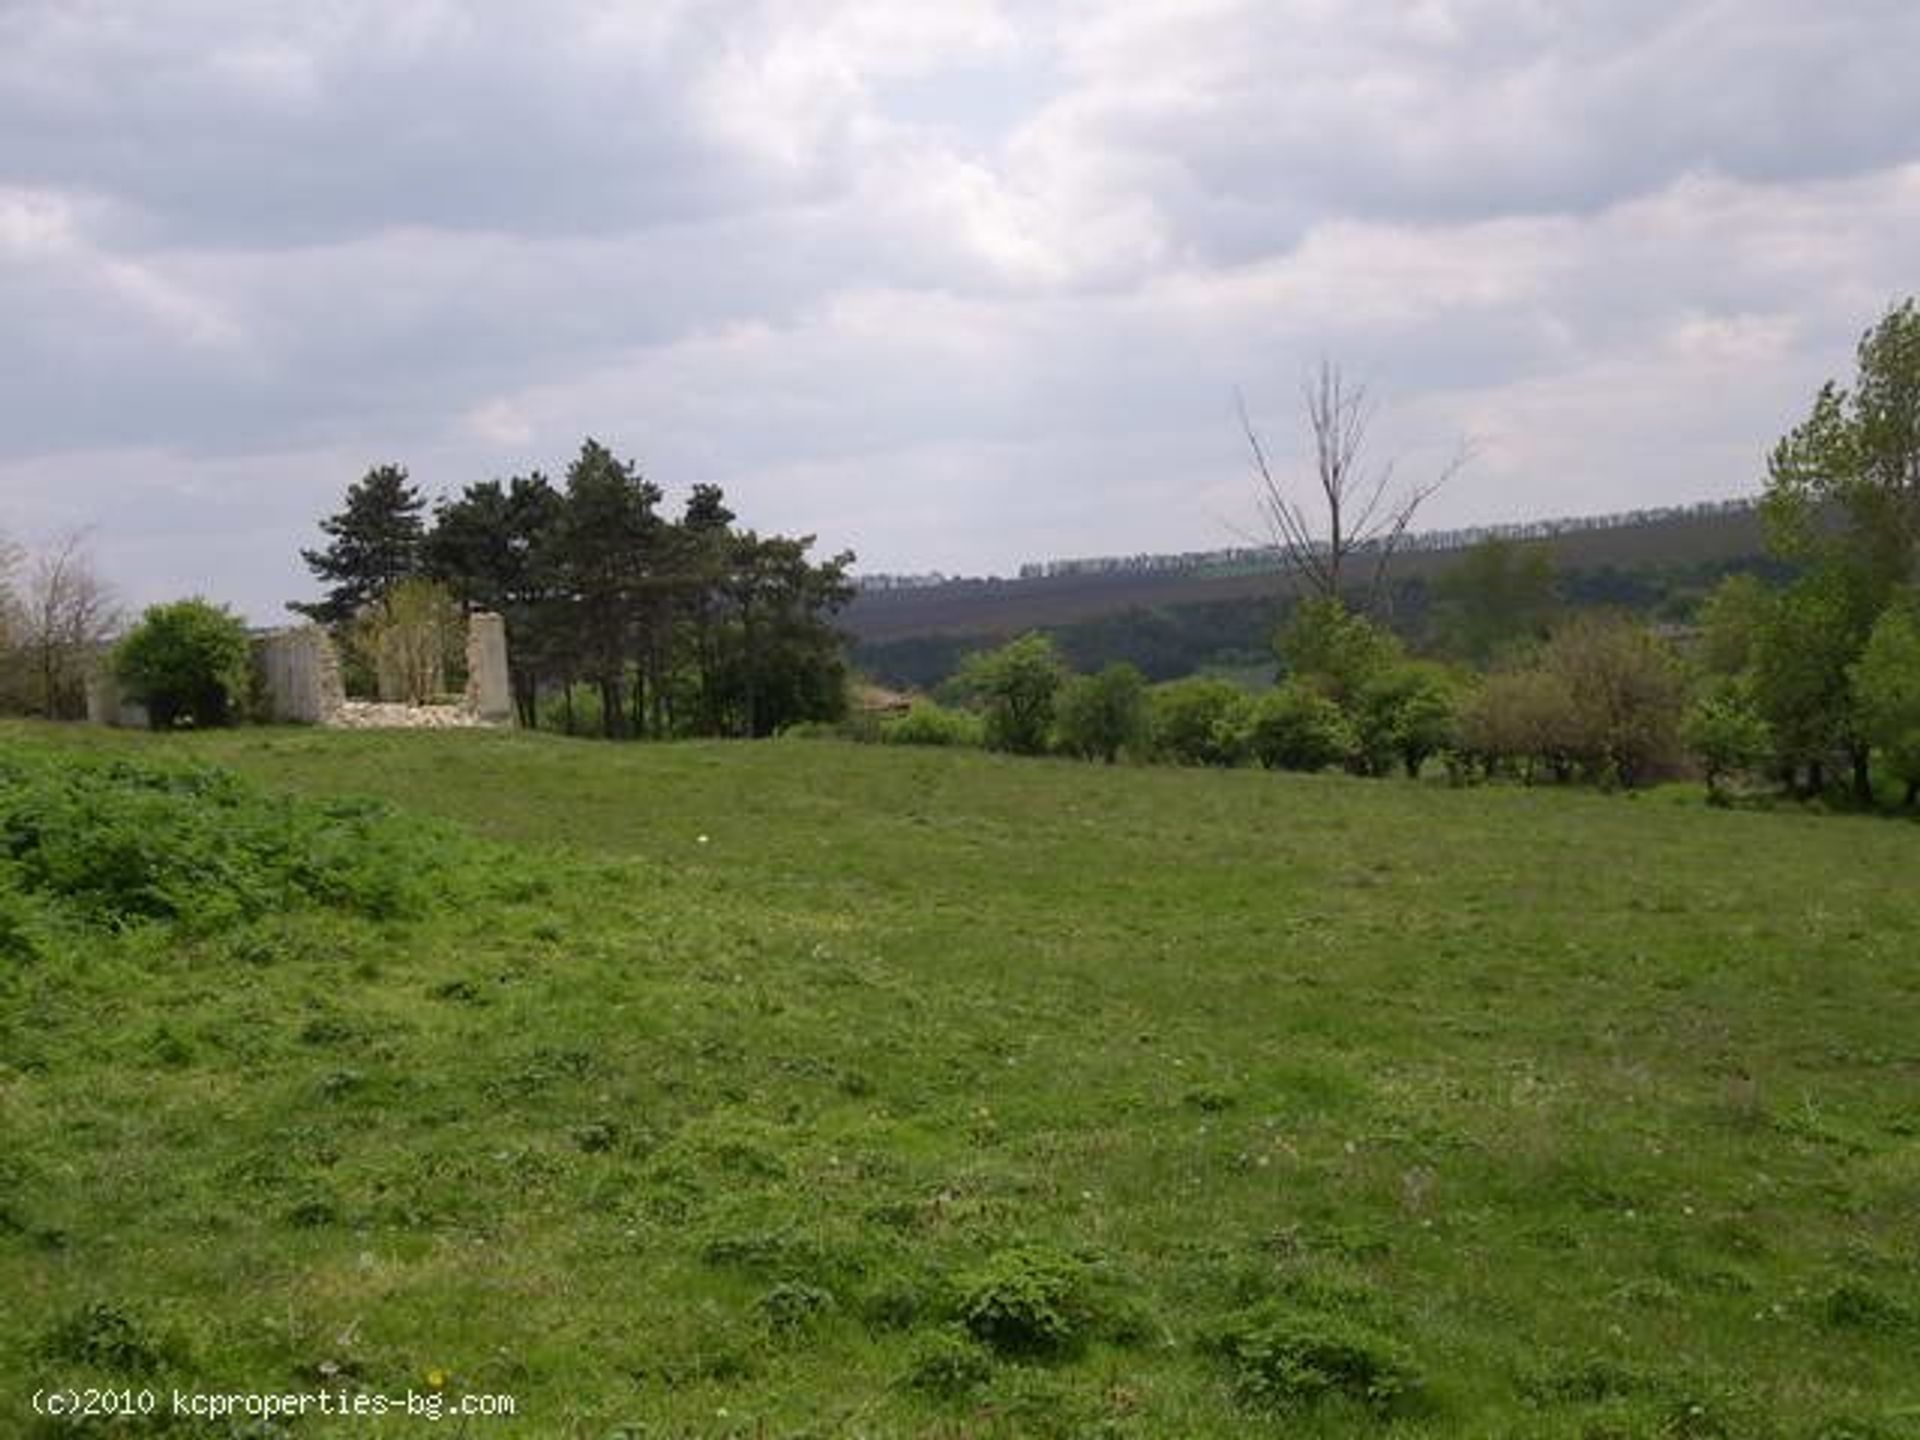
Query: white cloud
x=958, y=285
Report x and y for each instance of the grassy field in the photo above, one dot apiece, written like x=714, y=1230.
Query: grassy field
x=806, y=1089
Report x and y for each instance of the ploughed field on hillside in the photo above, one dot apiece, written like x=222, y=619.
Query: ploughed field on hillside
x=801, y=1088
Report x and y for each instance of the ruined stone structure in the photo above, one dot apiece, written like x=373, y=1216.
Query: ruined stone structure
x=489, y=690
x=297, y=682
x=297, y=676
x=107, y=706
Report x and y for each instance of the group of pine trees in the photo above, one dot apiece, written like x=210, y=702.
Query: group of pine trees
x=621, y=618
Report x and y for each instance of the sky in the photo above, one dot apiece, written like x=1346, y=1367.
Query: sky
x=952, y=285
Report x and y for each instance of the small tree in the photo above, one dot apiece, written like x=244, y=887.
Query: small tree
x=1886, y=688
x=1358, y=509
x=1731, y=620
x=1198, y=721
x=1406, y=713
x=1017, y=686
x=1098, y=716
x=1525, y=719
x=405, y=638
x=1727, y=734
x=1626, y=689
x=1295, y=727
x=1337, y=650
x=65, y=616
x=1499, y=595
x=187, y=661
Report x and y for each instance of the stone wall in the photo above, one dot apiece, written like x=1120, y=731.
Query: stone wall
x=297, y=682
x=489, y=692
x=297, y=674
x=106, y=705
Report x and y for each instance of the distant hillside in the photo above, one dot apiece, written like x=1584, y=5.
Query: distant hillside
x=1181, y=612
x=1078, y=589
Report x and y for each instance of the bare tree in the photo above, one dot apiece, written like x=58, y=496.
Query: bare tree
x=1366, y=513
x=67, y=614
x=10, y=558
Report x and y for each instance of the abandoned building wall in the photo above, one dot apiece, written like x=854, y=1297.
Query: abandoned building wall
x=489, y=694
x=106, y=705
x=297, y=681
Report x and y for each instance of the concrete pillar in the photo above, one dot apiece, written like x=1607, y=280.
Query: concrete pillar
x=489, y=691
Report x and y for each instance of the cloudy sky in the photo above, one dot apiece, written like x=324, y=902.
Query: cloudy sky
x=954, y=285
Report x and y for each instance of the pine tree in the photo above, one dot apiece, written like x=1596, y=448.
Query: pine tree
x=374, y=543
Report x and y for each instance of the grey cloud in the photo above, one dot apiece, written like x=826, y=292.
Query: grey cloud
x=956, y=287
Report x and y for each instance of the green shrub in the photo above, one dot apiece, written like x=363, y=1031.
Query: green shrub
x=1098, y=716
x=948, y=1366
x=1030, y=1300
x=1198, y=721
x=1283, y=1360
x=930, y=724
x=188, y=661
x=104, y=1337
x=117, y=841
x=1016, y=685
x=793, y=1306
x=1404, y=715
x=1295, y=727
x=1726, y=733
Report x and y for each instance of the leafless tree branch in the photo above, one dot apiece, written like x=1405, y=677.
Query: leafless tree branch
x=1362, y=508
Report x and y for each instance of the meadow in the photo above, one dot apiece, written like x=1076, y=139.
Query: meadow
x=803, y=1088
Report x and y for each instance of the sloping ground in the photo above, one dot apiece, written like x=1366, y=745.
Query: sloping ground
x=806, y=1089
x=1006, y=607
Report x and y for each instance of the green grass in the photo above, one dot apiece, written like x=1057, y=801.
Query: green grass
x=939, y=1094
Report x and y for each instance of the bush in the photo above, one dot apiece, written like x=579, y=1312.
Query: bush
x=188, y=661
x=115, y=842
x=1526, y=719
x=1198, y=721
x=1284, y=1360
x=1028, y=1301
x=1295, y=727
x=1336, y=649
x=1404, y=714
x=949, y=1366
x=1016, y=685
x=930, y=724
x=1886, y=689
x=1627, y=691
x=1101, y=715
x=1726, y=733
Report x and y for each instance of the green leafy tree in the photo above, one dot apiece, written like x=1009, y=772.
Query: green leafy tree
x=407, y=637
x=374, y=542
x=1813, y=632
x=1499, y=595
x=1198, y=721
x=1098, y=716
x=1843, y=500
x=1731, y=620
x=1017, y=687
x=602, y=550
x=783, y=662
x=1726, y=733
x=1886, y=688
x=1326, y=643
x=1856, y=459
x=493, y=548
x=186, y=661
x=1407, y=714
x=1296, y=727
